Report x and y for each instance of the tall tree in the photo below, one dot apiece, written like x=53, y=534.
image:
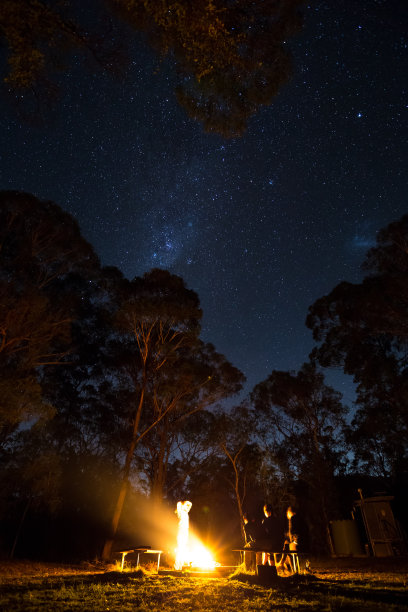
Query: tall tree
x=192, y=451
x=196, y=380
x=235, y=433
x=158, y=317
x=40, y=248
x=306, y=418
x=45, y=267
x=363, y=328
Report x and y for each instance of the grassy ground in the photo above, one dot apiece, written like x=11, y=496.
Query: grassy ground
x=334, y=584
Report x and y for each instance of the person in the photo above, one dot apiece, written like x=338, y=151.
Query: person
x=251, y=533
x=290, y=543
x=273, y=535
x=251, y=530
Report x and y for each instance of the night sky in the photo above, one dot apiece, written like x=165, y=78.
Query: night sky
x=260, y=226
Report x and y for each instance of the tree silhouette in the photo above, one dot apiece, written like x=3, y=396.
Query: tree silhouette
x=40, y=248
x=363, y=329
x=159, y=317
x=198, y=379
x=235, y=433
x=230, y=57
x=305, y=418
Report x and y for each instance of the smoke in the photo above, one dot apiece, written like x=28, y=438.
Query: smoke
x=145, y=523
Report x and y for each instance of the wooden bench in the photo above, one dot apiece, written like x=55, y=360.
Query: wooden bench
x=139, y=550
x=294, y=556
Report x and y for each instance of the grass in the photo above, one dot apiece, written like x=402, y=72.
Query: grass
x=333, y=585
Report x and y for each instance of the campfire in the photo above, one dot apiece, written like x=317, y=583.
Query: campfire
x=190, y=554
x=199, y=557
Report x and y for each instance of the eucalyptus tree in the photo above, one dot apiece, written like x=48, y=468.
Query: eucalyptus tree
x=363, y=328
x=45, y=264
x=231, y=58
x=197, y=380
x=41, y=249
x=191, y=454
x=234, y=431
x=157, y=319
x=304, y=420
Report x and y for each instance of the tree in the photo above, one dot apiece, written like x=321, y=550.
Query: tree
x=363, y=329
x=306, y=420
x=192, y=452
x=40, y=249
x=41, y=39
x=230, y=57
x=235, y=433
x=48, y=280
x=195, y=381
x=158, y=318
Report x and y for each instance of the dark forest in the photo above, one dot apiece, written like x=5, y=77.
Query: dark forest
x=113, y=406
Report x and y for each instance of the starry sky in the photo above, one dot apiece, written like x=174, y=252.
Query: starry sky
x=259, y=226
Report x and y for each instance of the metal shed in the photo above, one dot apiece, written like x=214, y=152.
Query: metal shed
x=383, y=533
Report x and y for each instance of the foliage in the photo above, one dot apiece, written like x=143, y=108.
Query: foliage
x=235, y=434
x=91, y=365
x=105, y=383
x=230, y=56
x=363, y=328
x=197, y=380
x=43, y=262
x=193, y=455
x=41, y=38
x=303, y=420
x=40, y=249
x=172, y=373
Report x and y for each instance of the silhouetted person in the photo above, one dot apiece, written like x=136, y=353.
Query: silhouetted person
x=253, y=531
x=273, y=534
x=291, y=542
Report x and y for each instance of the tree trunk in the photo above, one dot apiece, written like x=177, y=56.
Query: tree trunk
x=239, y=504
x=107, y=549
x=20, y=525
x=159, y=473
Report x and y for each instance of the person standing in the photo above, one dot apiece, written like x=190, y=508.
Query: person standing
x=253, y=532
x=273, y=534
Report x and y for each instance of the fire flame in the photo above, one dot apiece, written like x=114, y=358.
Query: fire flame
x=197, y=555
x=202, y=558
